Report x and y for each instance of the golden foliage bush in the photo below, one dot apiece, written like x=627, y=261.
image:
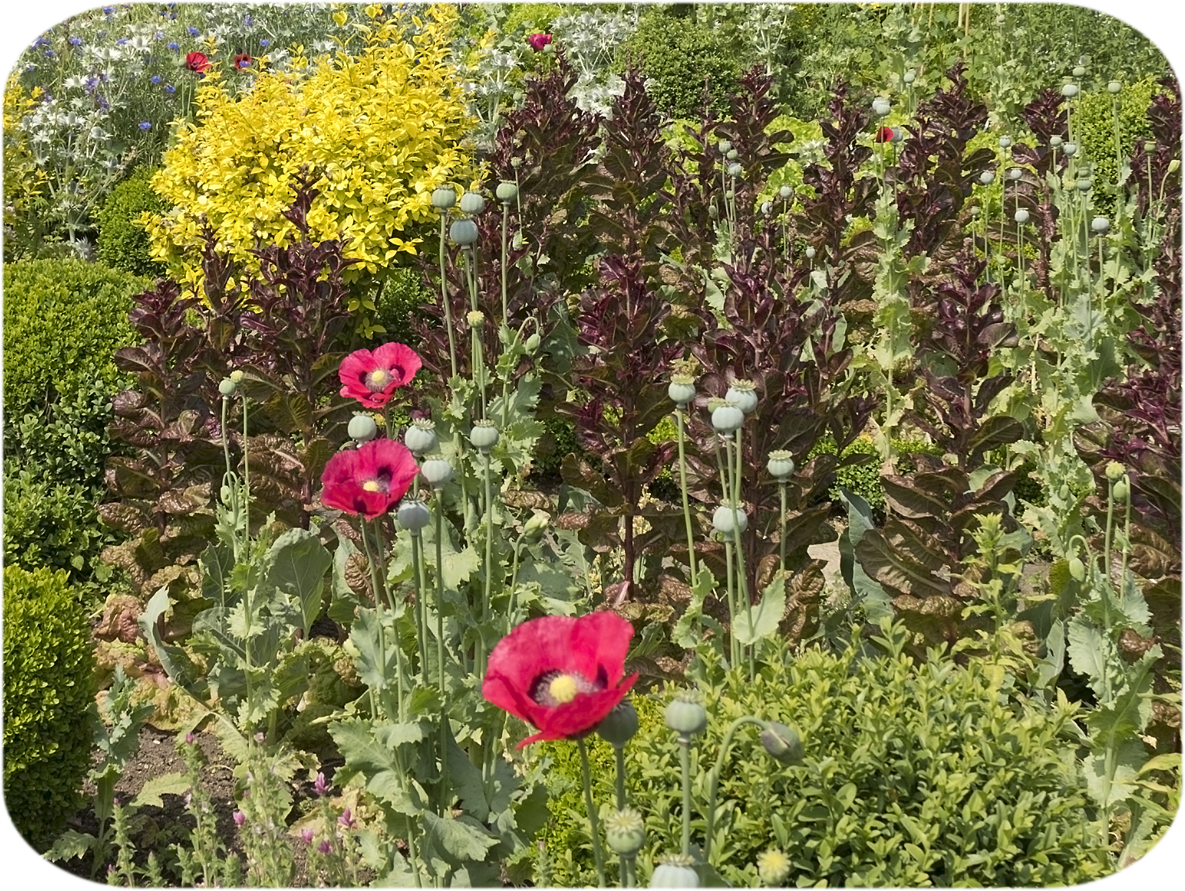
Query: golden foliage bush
x=381, y=128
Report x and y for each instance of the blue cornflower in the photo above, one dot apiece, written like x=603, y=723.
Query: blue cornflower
x=40, y=41
x=75, y=41
x=174, y=47
x=144, y=125
x=169, y=88
x=160, y=35
x=248, y=21
x=107, y=10
x=265, y=42
x=49, y=54
x=192, y=31
x=155, y=78
x=103, y=103
x=121, y=41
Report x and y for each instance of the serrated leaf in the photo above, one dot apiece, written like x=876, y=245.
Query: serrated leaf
x=70, y=844
x=458, y=840
x=167, y=784
x=370, y=752
x=298, y=563
x=761, y=621
x=376, y=659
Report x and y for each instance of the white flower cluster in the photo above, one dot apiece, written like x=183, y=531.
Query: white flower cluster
x=590, y=41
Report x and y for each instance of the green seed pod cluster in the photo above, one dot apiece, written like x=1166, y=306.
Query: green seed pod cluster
x=685, y=714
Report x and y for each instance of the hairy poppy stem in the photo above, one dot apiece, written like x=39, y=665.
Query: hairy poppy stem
x=683, y=491
x=593, y=819
x=685, y=769
x=714, y=777
x=448, y=313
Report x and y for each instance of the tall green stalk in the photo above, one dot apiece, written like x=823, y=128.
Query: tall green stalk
x=593, y=818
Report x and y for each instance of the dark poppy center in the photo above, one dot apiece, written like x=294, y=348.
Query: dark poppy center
x=555, y=688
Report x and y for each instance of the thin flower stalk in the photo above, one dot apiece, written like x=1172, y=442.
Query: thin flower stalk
x=683, y=492
x=593, y=819
x=714, y=778
x=444, y=301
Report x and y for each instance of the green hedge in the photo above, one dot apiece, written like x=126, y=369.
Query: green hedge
x=1094, y=128
x=122, y=242
x=914, y=776
x=48, y=696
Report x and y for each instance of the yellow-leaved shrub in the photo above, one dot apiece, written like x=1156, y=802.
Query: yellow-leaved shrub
x=380, y=128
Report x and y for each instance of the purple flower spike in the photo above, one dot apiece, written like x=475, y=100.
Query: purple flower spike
x=325, y=847
x=240, y=818
x=319, y=785
x=306, y=835
x=346, y=819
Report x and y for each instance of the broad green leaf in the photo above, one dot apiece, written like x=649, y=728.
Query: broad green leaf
x=167, y=784
x=70, y=844
x=370, y=752
x=173, y=659
x=297, y=564
x=458, y=839
x=376, y=659
x=761, y=620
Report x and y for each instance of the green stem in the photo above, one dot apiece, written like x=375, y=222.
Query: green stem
x=421, y=612
x=444, y=717
x=593, y=819
x=444, y=302
x=685, y=769
x=714, y=777
x=489, y=567
x=624, y=862
x=683, y=490
x=246, y=477
x=782, y=527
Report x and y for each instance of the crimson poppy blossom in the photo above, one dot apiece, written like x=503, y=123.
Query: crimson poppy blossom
x=560, y=674
x=369, y=480
x=884, y=134
x=373, y=378
x=538, y=41
x=242, y=60
x=198, y=62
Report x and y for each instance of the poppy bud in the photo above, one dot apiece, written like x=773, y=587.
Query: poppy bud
x=506, y=192
x=536, y=525
x=685, y=714
x=1121, y=490
x=785, y=192
x=437, y=471
x=1077, y=569
x=443, y=198
x=413, y=515
x=484, y=435
x=227, y=388
x=674, y=871
x=625, y=832
x=773, y=868
x=1114, y=87
x=619, y=726
x=472, y=203
x=463, y=232
x=362, y=428
x=780, y=464
x=766, y=208
x=532, y=343
x=713, y=213
x=743, y=394
x=1100, y=225
x=727, y=417
x=1063, y=493
x=1021, y=216
x=1114, y=470
x=782, y=742
x=420, y=437
x=682, y=389
x=728, y=519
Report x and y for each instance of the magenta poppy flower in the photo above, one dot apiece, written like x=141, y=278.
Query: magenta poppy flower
x=373, y=378
x=559, y=674
x=538, y=41
x=368, y=480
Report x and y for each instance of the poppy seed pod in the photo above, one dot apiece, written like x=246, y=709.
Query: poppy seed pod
x=743, y=394
x=1114, y=87
x=785, y=192
x=619, y=726
x=1100, y=225
x=766, y=208
x=420, y=436
x=987, y=177
x=810, y=253
x=1078, y=71
x=1083, y=184
x=463, y=232
x=227, y=388
x=625, y=832
x=773, y=868
x=437, y=471
x=910, y=76
x=780, y=464
x=729, y=519
x=685, y=714
x=732, y=155
x=727, y=417
x=682, y=389
x=1015, y=173
x=1070, y=90
x=881, y=106
x=1021, y=216
x=472, y=203
x=506, y=192
x=724, y=146
x=484, y=435
x=1055, y=141
x=735, y=170
x=413, y=515
x=676, y=872
x=362, y=428
x=443, y=198
x=1005, y=142
x=1070, y=149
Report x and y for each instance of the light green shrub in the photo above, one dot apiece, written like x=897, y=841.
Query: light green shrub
x=914, y=776
x=48, y=697
x=123, y=240
x=1094, y=128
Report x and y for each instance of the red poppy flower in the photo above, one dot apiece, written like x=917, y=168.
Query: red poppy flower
x=559, y=674
x=884, y=134
x=538, y=41
x=242, y=60
x=368, y=480
x=198, y=62
x=373, y=378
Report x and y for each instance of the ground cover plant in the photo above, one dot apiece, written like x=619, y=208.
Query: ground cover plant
x=625, y=470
